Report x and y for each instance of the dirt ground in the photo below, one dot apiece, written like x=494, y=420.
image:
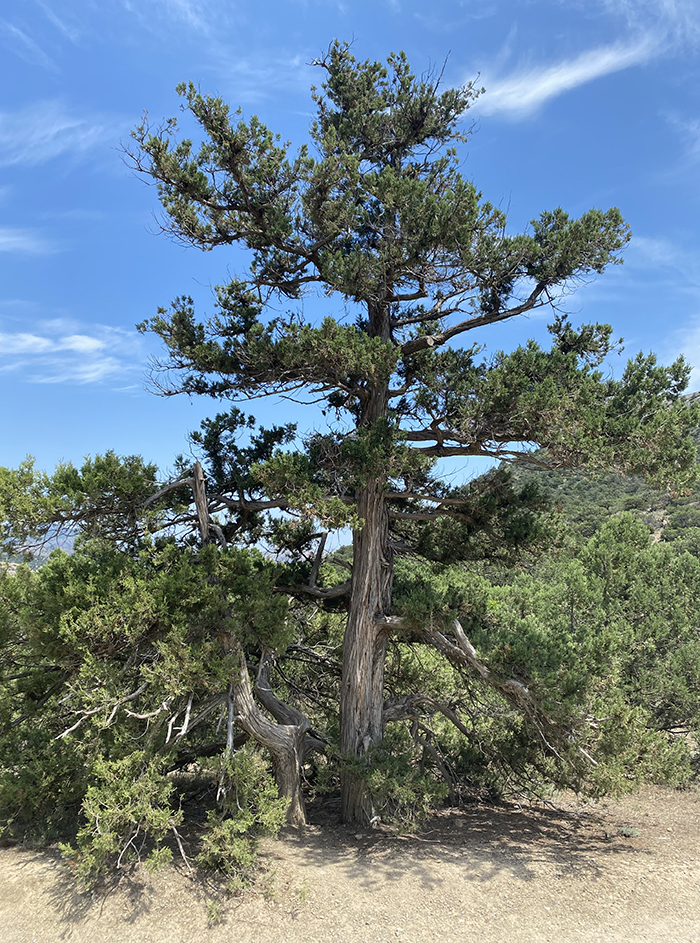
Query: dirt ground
x=613, y=872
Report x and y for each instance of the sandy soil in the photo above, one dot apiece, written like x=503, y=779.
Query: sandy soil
x=614, y=872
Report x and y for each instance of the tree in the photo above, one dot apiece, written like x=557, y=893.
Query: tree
x=119, y=668
x=113, y=505
x=379, y=217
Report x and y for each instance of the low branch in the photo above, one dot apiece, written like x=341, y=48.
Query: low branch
x=283, y=713
x=464, y=655
x=437, y=759
x=96, y=710
x=319, y=592
x=40, y=703
x=414, y=705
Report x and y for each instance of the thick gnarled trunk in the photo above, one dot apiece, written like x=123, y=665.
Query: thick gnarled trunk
x=284, y=741
x=364, y=647
x=364, y=650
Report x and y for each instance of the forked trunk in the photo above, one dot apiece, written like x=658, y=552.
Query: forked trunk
x=284, y=742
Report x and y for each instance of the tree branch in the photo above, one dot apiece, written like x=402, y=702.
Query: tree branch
x=492, y=317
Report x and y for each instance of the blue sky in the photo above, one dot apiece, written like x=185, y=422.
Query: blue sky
x=588, y=103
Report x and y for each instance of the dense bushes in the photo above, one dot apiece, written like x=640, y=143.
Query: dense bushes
x=116, y=669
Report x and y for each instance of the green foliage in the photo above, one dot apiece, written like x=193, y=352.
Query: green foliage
x=128, y=803
x=606, y=640
x=403, y=789
x=103, y=653
x=104, y=494
x=251, y=808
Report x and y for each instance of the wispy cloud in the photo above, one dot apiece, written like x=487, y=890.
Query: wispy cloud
x=204, y=16
x=651, y=252
x=47, y=129
x=53, y=353
x=68, y=30
x=24, y=46
x=678, y=21
x=187, y=11
x=689, y=131
x=523, y=92
x=252, y=80
x=25, y=241
x=651, y=29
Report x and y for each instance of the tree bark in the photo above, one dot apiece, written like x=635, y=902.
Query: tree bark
x=364, y=647
x=284, y=742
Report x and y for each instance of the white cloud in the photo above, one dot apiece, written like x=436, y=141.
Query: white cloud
x=24, y=46
x=24, y=344
x=91, y=371
x=68, y=30
x=81, y=343
x=651, y=29
x=46, y=130
x=677, y=20
x=252, y=80
x=525, y=91
x=650, y=252
x=24, y=241
x=50, y=355
x=203, y=16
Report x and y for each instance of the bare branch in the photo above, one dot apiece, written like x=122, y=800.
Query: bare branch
x=96, y=710
x=319, y=592
x=172, y=486
x=491, y=317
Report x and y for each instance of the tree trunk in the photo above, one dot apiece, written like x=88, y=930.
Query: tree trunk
x=284, y=742
x=364, y=647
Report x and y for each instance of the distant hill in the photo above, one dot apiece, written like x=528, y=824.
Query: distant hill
x=587, y=500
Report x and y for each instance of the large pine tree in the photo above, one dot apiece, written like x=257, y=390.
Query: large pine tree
x=377, y=219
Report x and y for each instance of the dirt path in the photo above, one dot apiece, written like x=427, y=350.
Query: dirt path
x=492, y=874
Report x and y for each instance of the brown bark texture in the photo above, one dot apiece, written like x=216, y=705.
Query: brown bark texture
x=284, y=742
x=364, y=647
